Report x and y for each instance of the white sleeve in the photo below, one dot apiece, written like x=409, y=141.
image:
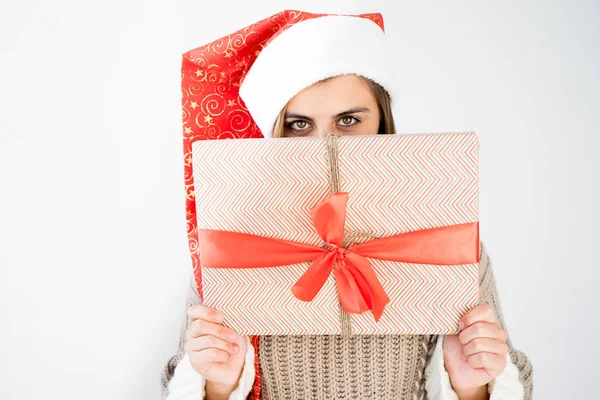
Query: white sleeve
x=188, y=384
x=505, y=386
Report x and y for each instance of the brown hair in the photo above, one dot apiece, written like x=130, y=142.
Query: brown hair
x=386, y=119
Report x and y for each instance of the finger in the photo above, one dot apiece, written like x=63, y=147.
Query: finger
x=480, y=344
x=202, y=327
x=198, y=311
x=491, y=362
x=209, y=341
x=482, y=330
x=208, y=356
x=483, y=312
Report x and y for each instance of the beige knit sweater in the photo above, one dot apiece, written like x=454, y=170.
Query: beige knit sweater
x=405, y=367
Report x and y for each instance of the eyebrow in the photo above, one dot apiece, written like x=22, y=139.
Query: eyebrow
x=350, y=111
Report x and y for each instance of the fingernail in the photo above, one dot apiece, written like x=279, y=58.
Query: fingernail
x=235, y=348
x=461, y=325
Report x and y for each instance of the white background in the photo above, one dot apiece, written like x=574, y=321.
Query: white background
x=93, y=252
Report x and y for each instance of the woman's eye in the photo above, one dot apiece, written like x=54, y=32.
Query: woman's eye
x=299, y=125
x=348, y=121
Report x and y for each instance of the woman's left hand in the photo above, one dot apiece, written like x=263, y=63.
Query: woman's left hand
x=477, y=354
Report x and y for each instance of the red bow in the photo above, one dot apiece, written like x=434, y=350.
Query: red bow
x=359, y=289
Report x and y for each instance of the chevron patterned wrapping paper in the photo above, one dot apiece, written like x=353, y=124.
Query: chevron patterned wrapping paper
x=396, y=183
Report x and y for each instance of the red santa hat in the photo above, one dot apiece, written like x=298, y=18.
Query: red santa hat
x=235, y=86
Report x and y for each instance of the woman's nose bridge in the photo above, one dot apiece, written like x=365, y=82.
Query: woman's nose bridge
x=323, y=130
x=323, y=125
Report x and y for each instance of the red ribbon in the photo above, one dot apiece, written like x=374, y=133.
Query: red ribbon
x=359, y=289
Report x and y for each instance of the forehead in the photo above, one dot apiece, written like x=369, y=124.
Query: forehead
x=333, y=96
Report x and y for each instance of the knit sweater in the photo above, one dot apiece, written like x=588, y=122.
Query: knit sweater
x=353, y=366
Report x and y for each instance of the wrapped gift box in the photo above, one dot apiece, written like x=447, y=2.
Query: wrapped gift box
x=392, y=185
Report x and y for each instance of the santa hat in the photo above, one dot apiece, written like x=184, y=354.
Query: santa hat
x=236, y=86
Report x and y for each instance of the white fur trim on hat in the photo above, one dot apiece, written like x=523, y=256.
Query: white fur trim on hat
x=308, y=52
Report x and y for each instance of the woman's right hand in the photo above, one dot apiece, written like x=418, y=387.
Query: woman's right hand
x=215, y=351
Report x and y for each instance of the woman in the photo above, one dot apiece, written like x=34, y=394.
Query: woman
x=301, y=74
